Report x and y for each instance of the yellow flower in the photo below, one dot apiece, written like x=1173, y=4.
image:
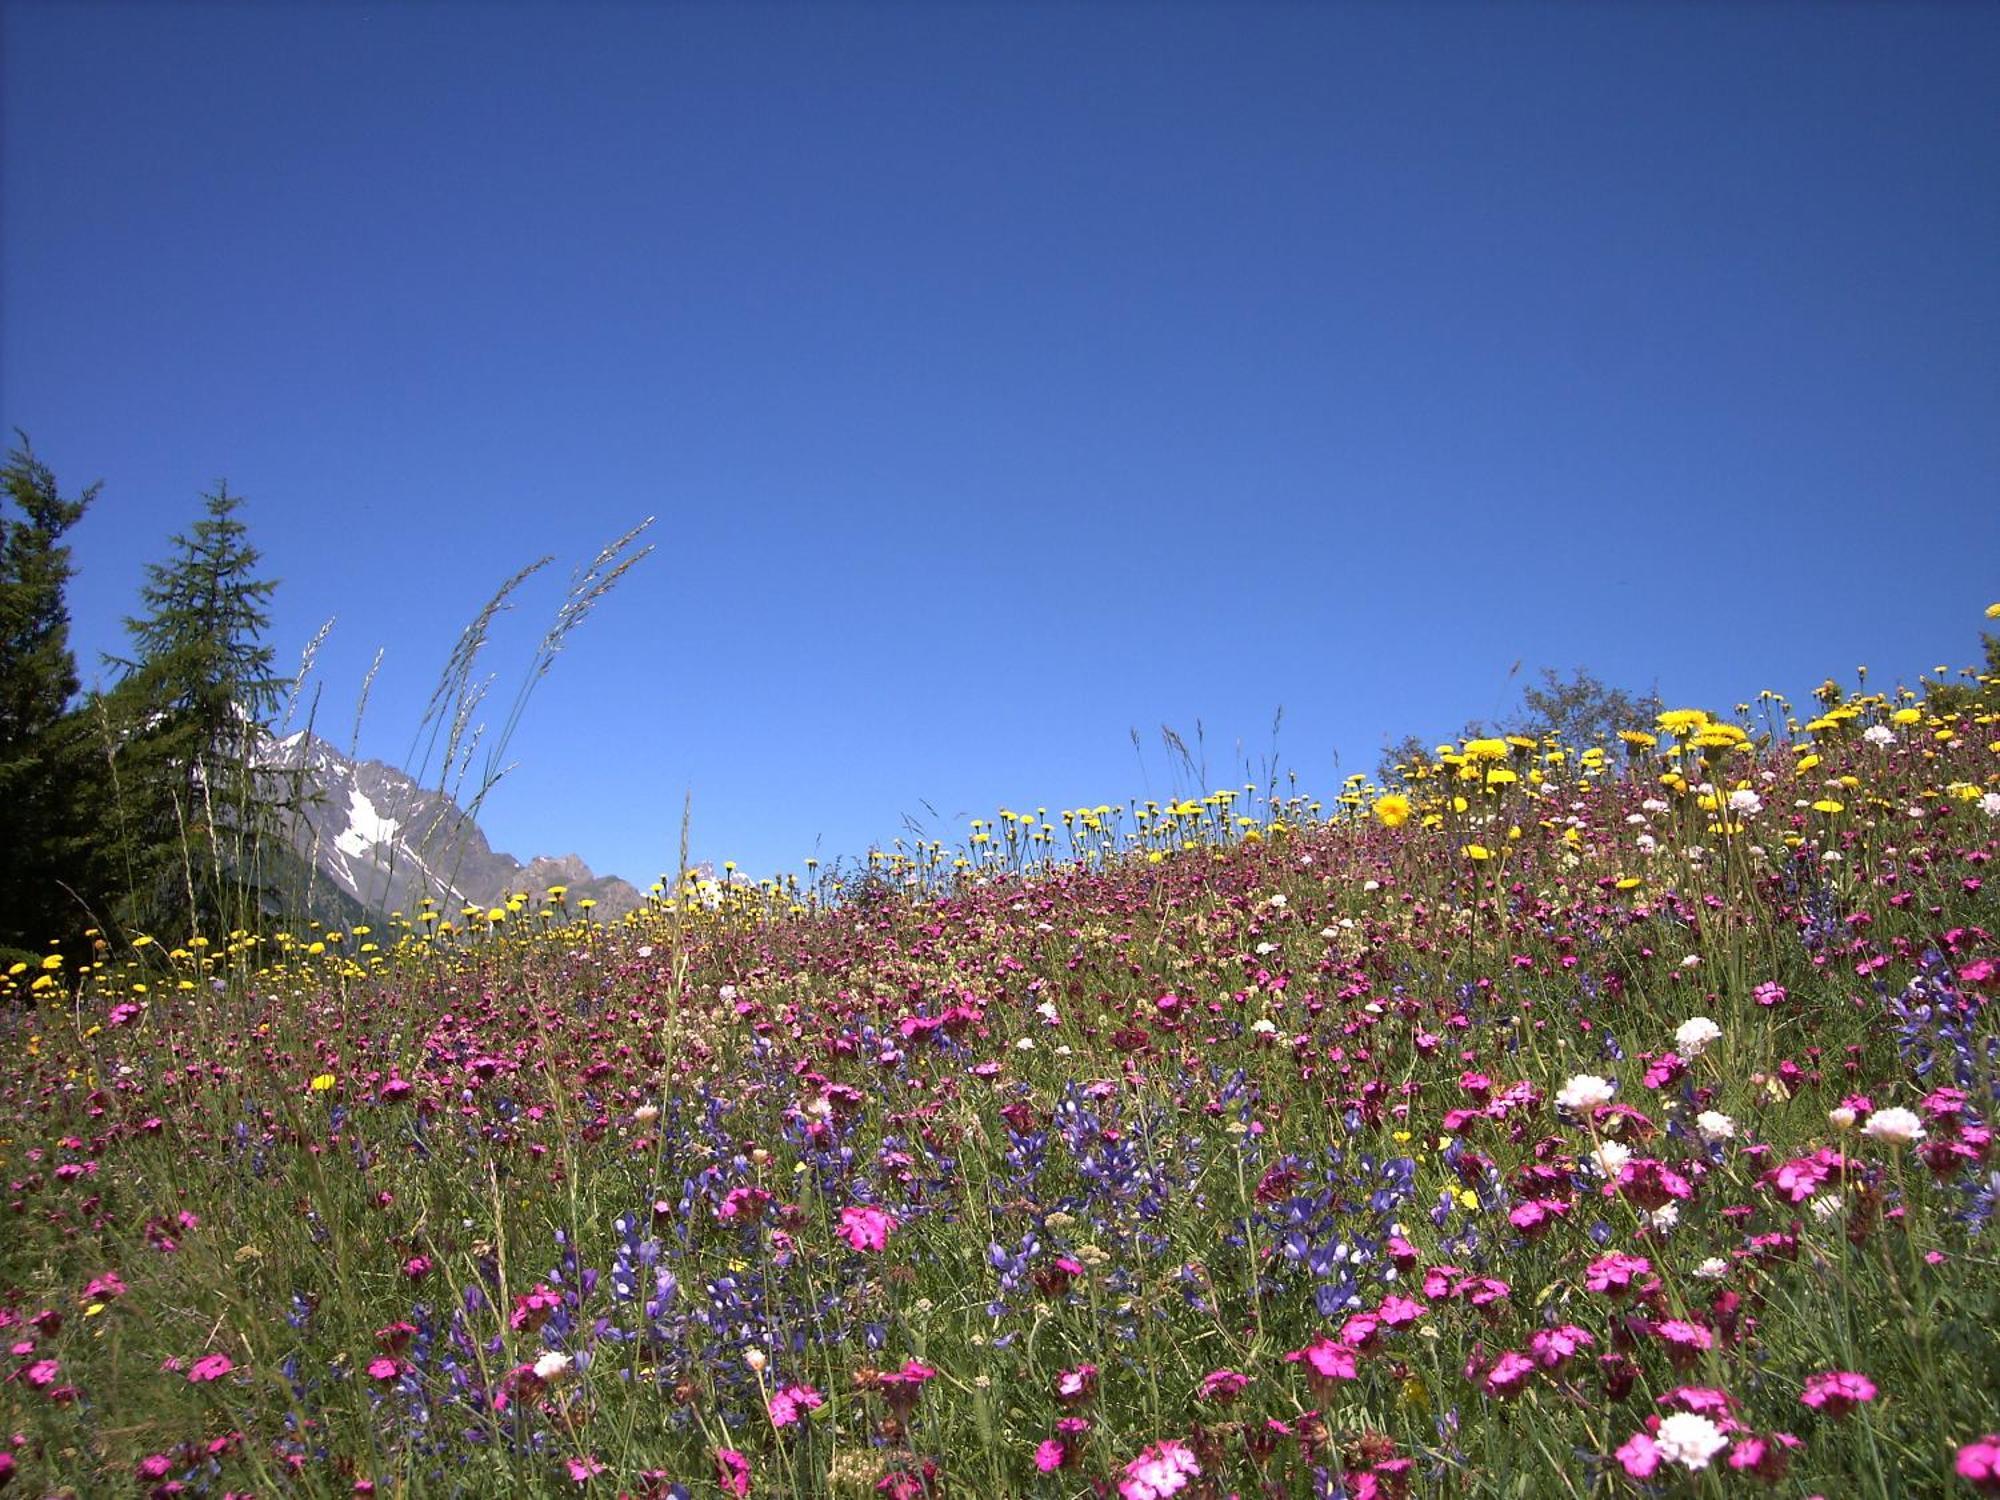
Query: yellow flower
x=1638, y=739
x=1682, y=720
x=1993, y=611
x=1485, y=749
x=1478, y=851
x=1829, y=806
x=1393, y=810
x=322, y=1083
x=1500, y=776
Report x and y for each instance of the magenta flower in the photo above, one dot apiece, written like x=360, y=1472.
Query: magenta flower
x=792, y=1403
x=1326, y=1361
x=1979, y=1463
x=582, y=1470
x=1050, y=1455
x=1640, y=1456
x=732, y=1472
x=1400, y=1312
x=865, y=1228
x=1223, y=1386
x=209, y=1367
x=1615, y=1271
x=1509, y=1375
x=1555, y=1347
x=384, y=1369
x=1765, y=1457
x=1838, y=1392
x=1077, y=1384
x=1163, y=1469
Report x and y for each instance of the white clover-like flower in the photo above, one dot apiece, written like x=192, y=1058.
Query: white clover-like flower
x=1665, y=1217
x=552, y=1365
x=645, y=1114
x=1840, y=1117
x=1689, y=1439
x=1586, y=1091
x=1827, y=1205
x=1712, y=1269
x=1990, y=804
x=1695, y=1034
x=1610, y=1157
x=1715, y=1126
x=1745, y=803
x=1894, y=1127
x=1879, y=734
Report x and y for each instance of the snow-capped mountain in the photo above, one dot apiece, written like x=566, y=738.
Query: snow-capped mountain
x=383, y=842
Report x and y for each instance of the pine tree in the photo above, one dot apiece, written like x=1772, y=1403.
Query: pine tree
x=44, y=759
x=198, y=820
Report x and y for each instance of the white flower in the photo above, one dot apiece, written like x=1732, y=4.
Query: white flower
x=1376, y=885
x=1715, y=1125
x=1693, y=960
x=1654, y=805
x=1696, y=1033
x=1047, y=1011
x=1665, y=1217
x=1689, y=1439
x=1746, y=803
x=1712, y=1269
x=1895, y=1127
x=552, y=1364
x=1879, y=734
x=756, y=1359
x=1826, y=1205
x=726, y=994
x=645, y=1114
x=1280, y=901
x=1264, y=1026
x=1585, y=1091
x=1990, y=804
x=1026, y=1044
x=1610, y=1157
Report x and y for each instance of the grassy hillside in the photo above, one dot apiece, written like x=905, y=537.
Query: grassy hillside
x=1566, y=1124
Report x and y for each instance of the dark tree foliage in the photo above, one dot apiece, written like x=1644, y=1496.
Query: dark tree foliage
x=198, y=820
x=1580, y=710
x=45, y=820
x=1577, y=711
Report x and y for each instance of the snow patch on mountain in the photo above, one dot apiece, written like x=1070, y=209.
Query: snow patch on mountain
x=365, y=827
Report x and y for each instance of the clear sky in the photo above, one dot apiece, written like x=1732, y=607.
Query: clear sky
x=1005, y=379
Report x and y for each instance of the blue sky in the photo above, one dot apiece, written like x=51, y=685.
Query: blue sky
x=1008, y=378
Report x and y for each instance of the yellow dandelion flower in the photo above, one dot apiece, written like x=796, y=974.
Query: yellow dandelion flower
x=1393, y=810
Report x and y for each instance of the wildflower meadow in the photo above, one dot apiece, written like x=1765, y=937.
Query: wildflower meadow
x=1555, y=1121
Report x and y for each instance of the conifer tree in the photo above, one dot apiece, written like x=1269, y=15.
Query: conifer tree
x=198, y=818
x=44, y=758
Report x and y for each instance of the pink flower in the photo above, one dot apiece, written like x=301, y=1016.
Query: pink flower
x=1163, y=1469
x=1050, y=1455
x=1765, y=1457
x=1326, y=1361
x=792, y=1403
x=1077, y=1384
x=1614, y=1272
x=1979, y=1463
x=384, y=1368
x=1223, y=1386
x=583, y=1469
x=209, y=1367
x=1838, y=1392
x=1554, y=1347
x=1510, y=1373
x=1648, y=1183
x=1640, y=1456
x=732, y=1472
x=1400, y=1312
x=865, y=1228
x=1702, y=1400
